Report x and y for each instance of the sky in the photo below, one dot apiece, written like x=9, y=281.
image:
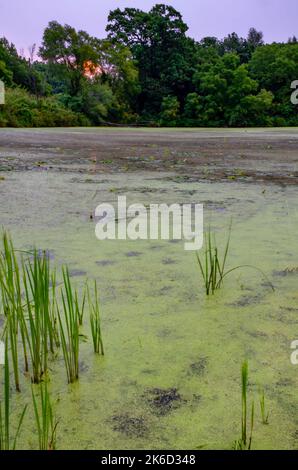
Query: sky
x=23, y=21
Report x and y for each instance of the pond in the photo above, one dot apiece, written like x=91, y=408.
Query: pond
x=170, y=377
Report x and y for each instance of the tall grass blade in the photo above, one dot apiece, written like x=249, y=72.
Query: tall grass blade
x=95, y=322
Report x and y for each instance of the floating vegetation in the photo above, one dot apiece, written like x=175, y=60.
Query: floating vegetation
x=163, y=401
x=45, y=420
x=130, y=426
x=199, y=367
x=7, y=442
x=43, y=321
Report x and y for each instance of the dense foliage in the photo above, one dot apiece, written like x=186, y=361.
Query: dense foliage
x=148, y=71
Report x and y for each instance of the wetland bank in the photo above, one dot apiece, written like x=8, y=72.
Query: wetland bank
x=170, y=376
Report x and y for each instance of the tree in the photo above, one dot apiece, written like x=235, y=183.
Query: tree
x=255, y=38
x=148, y=69
x=70, y=52
x=164, y=54
x=120, y=72
x=233, y=44
x=5, y=74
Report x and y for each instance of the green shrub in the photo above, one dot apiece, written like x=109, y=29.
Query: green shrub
x=22, y=109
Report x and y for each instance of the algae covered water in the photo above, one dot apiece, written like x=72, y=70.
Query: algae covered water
x=170, y=378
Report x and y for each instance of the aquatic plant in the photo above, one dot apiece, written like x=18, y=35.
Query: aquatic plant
x=39, y=315
x=245, y=441
x=95, y=322
x=28, y=299
x=264, y=412
x=69, y=329
x=6, y=441
x=44, y=418
x=40, y=330
x=213, y=266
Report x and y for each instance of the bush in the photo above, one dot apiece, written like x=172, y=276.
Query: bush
x=22, y=109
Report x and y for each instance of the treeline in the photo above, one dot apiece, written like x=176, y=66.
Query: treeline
x=148, y=71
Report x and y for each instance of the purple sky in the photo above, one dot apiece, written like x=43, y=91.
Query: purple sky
x=23, y=21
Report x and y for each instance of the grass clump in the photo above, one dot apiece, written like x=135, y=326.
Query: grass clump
x=28, y=300
x=95, y=322
x=45, y=420
x=69, y=328
x=39, y=317
x=213, y=263
x=40, y=328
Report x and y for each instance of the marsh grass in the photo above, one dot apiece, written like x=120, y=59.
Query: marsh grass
x=95, y=322
x=39, y=321
x=213, y=263
x=44, y=418
x=7, y=442
x=264, y=412
x=28, y=305
x=245, y=441
x=36, y=284
x=69, y=328
x=39, y=318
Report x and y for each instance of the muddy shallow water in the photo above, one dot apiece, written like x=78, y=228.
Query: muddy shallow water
x=170, y=378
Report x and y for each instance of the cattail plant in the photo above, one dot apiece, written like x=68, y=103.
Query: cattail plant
x=95, y=322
